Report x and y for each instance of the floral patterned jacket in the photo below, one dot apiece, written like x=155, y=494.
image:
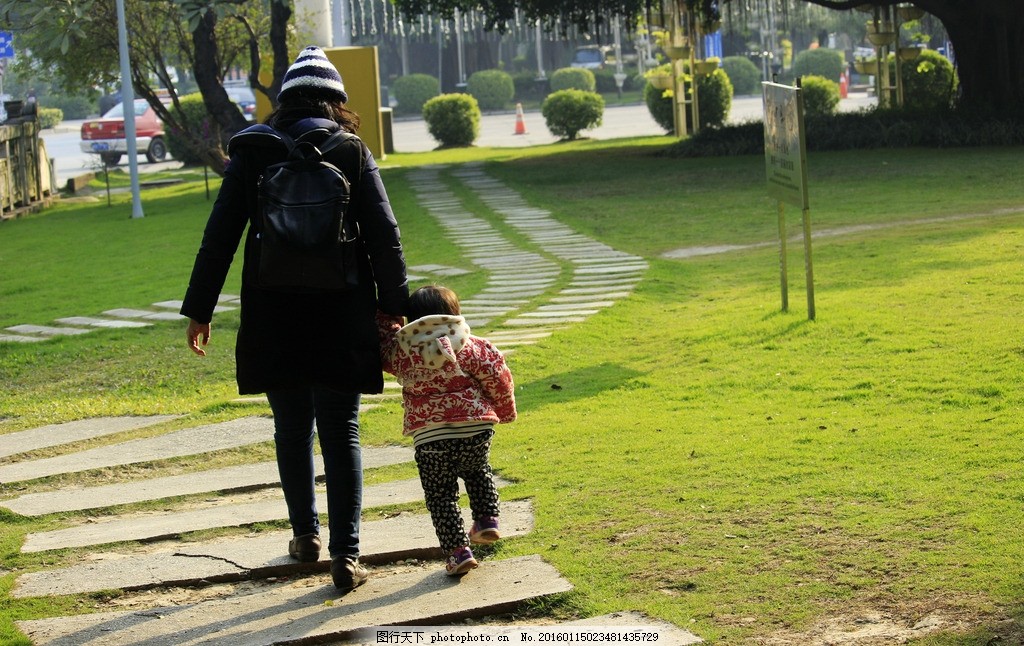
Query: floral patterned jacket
x=447, y=375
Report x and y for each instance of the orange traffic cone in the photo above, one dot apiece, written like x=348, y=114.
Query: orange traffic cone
x=520, y=123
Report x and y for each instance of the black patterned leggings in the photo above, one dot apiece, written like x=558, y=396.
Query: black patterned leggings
x=441, y=463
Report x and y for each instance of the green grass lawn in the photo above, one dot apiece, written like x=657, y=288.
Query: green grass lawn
x=744, y=473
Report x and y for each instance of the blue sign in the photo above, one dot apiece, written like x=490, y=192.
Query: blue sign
x=713, y=45
x=6, y=44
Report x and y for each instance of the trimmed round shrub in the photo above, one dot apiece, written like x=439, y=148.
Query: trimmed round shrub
x=714, y=100
x=929, y=81
x=743, y=74
x=659, y=104
x=573, y=78
x=198, y=121
x=829, y=63
x=605, y=81
x=528, y=86
x=50, y=117
x=452, y=119
x=492, y=89
x=821, y=96
x=72, y=107
x=567, y=112
x=414, y=90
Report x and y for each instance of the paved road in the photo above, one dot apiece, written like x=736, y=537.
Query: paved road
x=410, y=135
x=498, y=130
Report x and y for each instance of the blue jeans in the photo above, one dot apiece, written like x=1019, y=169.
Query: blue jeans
x=337, y=423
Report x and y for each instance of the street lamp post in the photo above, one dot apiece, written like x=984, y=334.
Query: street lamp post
x=620, y=75
x=128, y=102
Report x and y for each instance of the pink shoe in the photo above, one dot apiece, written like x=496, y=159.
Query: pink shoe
x=460, y=562
x=484, y=531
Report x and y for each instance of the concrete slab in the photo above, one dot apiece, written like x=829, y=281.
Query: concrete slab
x=668, y=634
x=238, y=478
x=128, y=313
x=17, y=338
x=83, y=429
x=503, y=292
x=406, y=535
x=622, y=625
x=153, y=526
x=46, y=330
x=106, y=323
x=310, y=610
x=603, y=292
x=554, y=314
x=612, y=269
x=544, y=321
x=189, y=441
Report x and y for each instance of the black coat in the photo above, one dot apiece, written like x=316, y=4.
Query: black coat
x=291, y=339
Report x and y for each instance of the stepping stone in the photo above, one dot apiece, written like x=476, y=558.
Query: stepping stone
x=47, y=330
x=128, y=313
x=237, y=478
x=594, y=281
x=518, y=335
x=16, y=338
x=84, y=429
x=304, y=612
x=585, y=299
x=551, y=314
x=598, y=291
x=190, y=441
x=85, y=320
x=171, y=305
x=668, y=634
x=500, y=291
x=621, y=624
x=151, y=527
x=544, y=321
x=611, y=269
x=586, y=305
x=406, y=535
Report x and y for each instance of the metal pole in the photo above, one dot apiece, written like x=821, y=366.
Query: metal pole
x=340, y=24
x=458, y=48
x=128, y=102
x=540, y=60
x=783, y=274
x=808, y=265
x=620, y=76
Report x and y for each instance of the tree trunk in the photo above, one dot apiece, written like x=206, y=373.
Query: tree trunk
x=224, y=112
x=988, y=47
x=280, y=12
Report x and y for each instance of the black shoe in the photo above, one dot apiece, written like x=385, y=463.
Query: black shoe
x=347, y=573
x=305, y=548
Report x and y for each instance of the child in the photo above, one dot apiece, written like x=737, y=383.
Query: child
x=455, y=387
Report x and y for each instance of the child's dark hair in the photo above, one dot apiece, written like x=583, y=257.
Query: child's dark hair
x=433, y=299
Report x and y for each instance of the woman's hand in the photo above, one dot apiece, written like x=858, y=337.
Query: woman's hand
x=196, y=331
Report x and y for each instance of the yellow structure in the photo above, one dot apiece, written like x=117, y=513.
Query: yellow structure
x=360, y=71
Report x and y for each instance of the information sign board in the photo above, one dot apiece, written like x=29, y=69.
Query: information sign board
x=6, y=44
x=785, y=148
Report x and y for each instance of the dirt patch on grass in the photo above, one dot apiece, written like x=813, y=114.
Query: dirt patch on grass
x=898, y=624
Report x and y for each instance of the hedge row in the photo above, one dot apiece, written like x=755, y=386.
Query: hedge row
x=864, y=130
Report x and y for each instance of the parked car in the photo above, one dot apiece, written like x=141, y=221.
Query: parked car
x=244, y=97
x=590, y=57
x=105, y=136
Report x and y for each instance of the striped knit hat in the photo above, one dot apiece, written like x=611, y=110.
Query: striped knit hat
x=312, y=73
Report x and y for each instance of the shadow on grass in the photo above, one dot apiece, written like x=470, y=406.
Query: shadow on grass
x=574, y=385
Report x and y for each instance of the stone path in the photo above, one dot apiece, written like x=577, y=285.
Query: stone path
x=541, y=277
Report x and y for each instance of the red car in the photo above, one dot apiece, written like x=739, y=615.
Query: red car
x=105, y=136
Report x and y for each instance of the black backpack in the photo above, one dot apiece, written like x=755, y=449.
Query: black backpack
x=307, y=240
